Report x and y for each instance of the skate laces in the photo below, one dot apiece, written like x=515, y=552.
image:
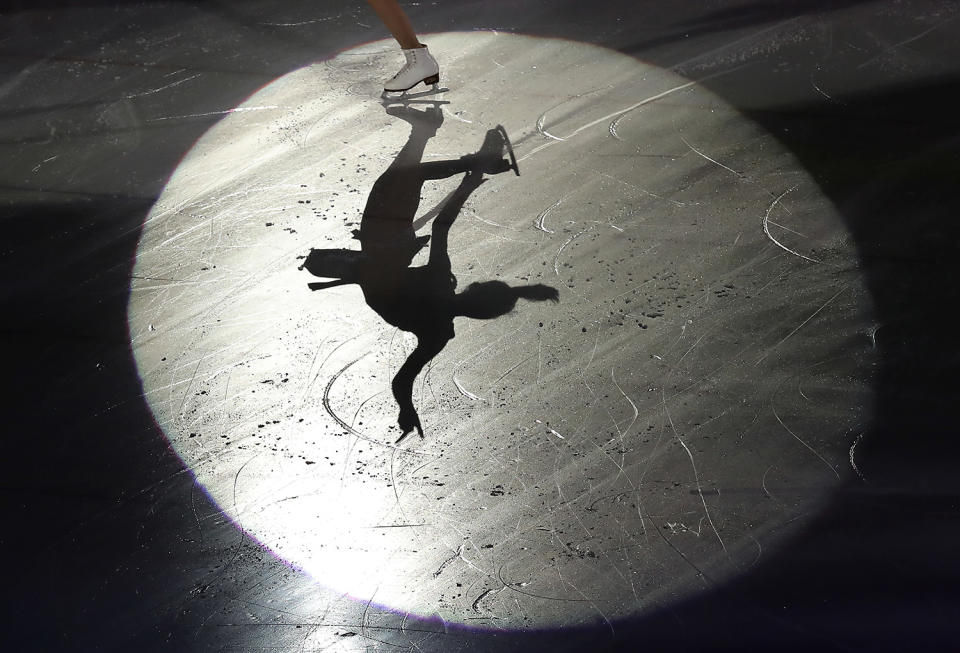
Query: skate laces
x=411, y=61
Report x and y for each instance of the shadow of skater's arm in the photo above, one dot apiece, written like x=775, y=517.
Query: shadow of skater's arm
x=537, y=292
x=402, y=385
x=323, y=285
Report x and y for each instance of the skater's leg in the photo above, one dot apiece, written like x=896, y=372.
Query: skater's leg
x=397, y=22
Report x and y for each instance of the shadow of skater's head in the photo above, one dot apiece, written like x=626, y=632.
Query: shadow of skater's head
x=491, y=299
x=341, y=264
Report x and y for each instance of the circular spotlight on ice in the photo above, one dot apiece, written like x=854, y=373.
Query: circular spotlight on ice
x=689, y=402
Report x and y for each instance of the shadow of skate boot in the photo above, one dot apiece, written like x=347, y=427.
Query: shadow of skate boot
x=495, y=154
x=427, y=121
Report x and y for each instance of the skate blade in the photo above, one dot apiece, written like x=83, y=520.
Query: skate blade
x=509, y=148
x=406, y=97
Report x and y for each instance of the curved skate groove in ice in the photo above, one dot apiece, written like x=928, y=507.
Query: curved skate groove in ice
x=648, y=100
x=466, y=393
x=653, y=397
x=556, y=258
x=767, y=223
x=543, y=132
x=459, y=365
x=329, y=408
x=615, y=123
x=356, y=415
x=853, y=463
x=540, y=222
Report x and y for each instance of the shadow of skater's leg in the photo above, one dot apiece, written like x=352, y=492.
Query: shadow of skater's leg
x=439, y=257
x=428, y=346
x=488, y=159
x=394, y=199
x=444, y=169
x=395, y=195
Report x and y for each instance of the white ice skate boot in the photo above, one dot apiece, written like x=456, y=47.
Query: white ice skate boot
x=420, y=67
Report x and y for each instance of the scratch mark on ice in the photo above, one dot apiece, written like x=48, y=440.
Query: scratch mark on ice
x=636, y=411
x=766, y=227
x=648, y=100
x=643, y=190
x=455, y=115
x=696, y=475
x=544, y=132
x=550, y=429
x=349, y=429
x=356, y=415
x=302, y=22
x=714, y=161
x=613, y=127
x=505, y=374
x=821, y=91
x=458, y=553
x=162, y=88
x=802, y=324
x=216, y=113
x=763, y=483
x=466, y=393
x=904, y=42
x=485, y=594
x=853, y=463
x=556, y=259
x=47, y=160
x=189, y=385
x=812, y=450
x=539, y=223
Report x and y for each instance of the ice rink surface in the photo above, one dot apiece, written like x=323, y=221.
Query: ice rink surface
x=685, y=382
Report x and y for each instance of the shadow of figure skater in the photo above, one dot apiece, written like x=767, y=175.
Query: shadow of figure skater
x=422, y=300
